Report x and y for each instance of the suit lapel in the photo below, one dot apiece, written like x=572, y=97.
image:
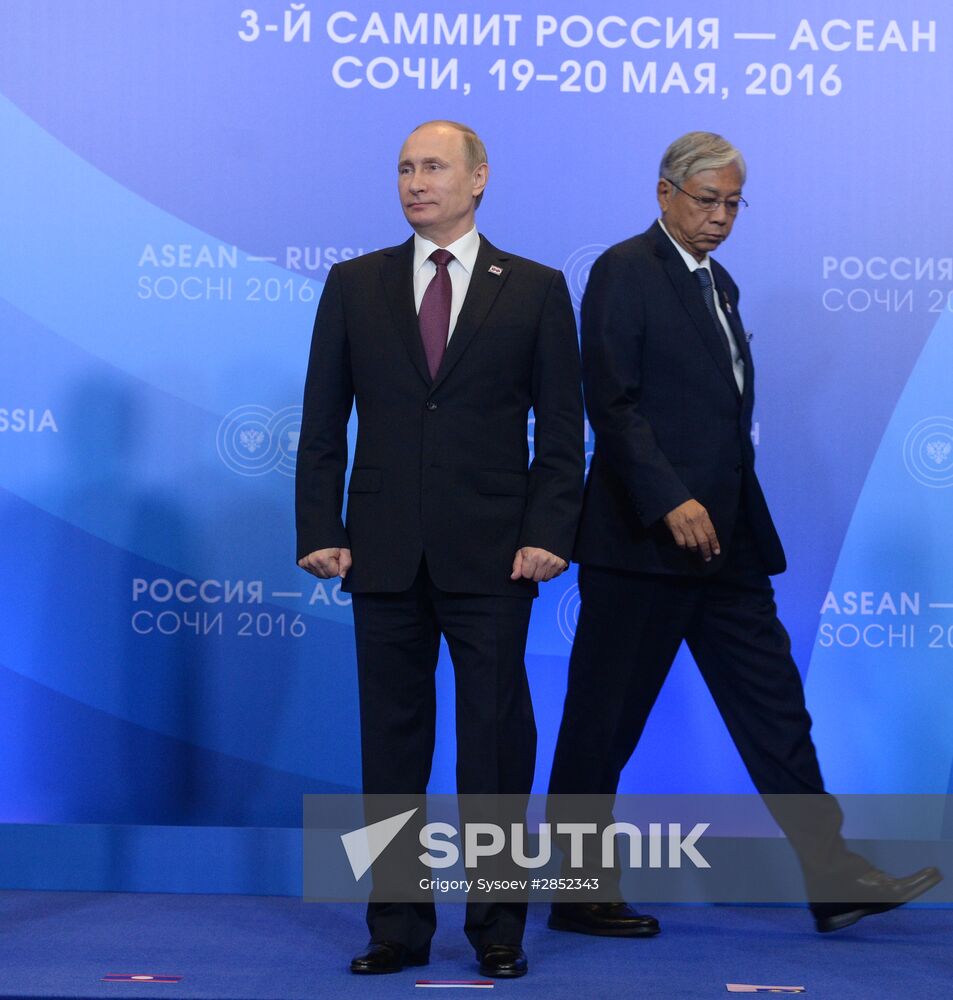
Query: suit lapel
x=489, y=275
x=687, y=288
x=397, y=275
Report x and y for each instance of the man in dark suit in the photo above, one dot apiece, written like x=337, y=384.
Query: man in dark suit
x=445, y=344
x=676, y=541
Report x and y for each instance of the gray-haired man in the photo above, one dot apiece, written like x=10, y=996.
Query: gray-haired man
x=676, y=542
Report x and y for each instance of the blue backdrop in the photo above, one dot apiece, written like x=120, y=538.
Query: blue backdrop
x=175, y=181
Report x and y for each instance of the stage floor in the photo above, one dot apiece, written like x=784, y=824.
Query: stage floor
x=62, y=944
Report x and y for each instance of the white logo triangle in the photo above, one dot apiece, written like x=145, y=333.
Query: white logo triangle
x=365, y=846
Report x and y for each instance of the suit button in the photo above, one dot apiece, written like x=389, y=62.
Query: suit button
x=431, y=405
x=738, y=468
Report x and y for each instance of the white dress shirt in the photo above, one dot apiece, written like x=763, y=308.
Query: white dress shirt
x=737, y=362
x=460, y=269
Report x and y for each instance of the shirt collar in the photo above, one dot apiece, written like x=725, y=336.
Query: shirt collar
x=465, y=250
x=690, y=262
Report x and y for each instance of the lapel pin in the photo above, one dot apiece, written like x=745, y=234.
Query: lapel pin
x=495, y=270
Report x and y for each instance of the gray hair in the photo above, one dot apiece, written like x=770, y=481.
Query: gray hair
x=697, y=151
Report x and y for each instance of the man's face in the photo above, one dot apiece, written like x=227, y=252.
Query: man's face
x=691, y=226
x=436, y=184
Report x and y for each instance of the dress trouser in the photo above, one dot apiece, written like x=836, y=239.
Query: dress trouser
x=398, y=642
x=630, y=628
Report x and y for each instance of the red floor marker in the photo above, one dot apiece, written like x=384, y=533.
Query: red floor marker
x=127, y=977
x=748, y=988
x=460, y=984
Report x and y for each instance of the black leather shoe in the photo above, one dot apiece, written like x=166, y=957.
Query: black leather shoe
x=873, y=892
x=602, y=919
x=386, y=956
x=502, y=961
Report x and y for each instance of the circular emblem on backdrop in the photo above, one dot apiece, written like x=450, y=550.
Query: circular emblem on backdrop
x=928, y=452
x=577, y=269
x=254, y=440
x=567, y=614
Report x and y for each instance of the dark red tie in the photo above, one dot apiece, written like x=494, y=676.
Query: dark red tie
x=434, y=315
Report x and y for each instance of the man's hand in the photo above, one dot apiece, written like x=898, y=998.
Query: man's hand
x=537, y=565
x=326, y=563
x=692, y=529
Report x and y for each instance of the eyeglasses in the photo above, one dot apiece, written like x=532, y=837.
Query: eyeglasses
x=708, y=204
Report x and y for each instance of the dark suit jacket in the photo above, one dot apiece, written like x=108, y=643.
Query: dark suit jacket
x=669, y=421
x=441, y=468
